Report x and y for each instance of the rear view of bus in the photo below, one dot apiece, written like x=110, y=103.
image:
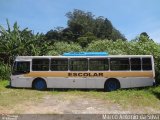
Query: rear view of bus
x=84, y=71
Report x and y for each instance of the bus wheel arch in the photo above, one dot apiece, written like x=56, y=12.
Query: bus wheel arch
x=112, y=84
x=39, y=83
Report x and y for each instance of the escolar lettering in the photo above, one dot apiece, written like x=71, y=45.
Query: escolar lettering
x=85, y=74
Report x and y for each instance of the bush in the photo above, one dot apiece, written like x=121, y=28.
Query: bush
x=4, y=71
x=60, y=47
x=113, y=48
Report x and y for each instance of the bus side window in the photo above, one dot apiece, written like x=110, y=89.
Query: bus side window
x=60, y=64
x=41, y=64
x=135, y=64
x=146, y=64
x=97, y=64
x=118, y=64
x=78, y=64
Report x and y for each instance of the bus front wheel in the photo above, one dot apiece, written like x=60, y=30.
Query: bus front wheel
x=111, y=85
x=39, y=84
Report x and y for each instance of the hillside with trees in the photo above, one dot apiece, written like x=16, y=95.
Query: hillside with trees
x=83, y=28
x=84, y=32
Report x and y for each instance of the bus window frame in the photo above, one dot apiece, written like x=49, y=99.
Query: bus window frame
x=150, y=63
x=59, y=59
x=24, y=72
x=119, y=58
x=40, y=70
x=99, y=59
x=77, y=59
x=134, y=64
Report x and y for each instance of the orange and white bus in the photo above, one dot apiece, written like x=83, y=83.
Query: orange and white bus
x=109, y=72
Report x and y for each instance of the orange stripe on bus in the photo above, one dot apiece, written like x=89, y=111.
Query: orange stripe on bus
x=92, y=74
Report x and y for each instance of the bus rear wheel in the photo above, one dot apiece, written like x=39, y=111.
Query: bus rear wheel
x=111, y=85
x=39, y=84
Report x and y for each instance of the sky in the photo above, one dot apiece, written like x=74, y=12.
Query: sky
x=130, y=17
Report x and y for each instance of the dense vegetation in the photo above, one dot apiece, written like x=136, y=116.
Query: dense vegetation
x=84, y=32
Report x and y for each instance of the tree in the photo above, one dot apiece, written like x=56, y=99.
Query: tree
x=102, y=28
x=54, y=35
x=86, y=39
x=143, y=37
x=115, y=35
x=80, y=22
x=144, y=34
x=20, y=42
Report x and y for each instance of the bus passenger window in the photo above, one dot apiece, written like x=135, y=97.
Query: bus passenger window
x=97, y=64
x=119, y=64
x=135, y=64
x=59, y=64
x=79, y=64
x=40, y=64
x=146, y=64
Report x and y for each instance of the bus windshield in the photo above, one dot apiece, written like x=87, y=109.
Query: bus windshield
x=21, y=67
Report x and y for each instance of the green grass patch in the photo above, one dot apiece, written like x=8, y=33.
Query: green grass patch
x=132, y=97
x=10, y=96
x=135, y=98
x=127, y=98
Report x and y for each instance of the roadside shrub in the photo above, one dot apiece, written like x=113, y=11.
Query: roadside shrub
x=4, y=71
x=59, y=48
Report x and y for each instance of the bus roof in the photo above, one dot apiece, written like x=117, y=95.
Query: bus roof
x=109, y=56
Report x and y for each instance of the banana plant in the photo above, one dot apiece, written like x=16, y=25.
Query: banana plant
x=16, y=42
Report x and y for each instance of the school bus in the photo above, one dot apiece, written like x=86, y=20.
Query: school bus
x=97, y=71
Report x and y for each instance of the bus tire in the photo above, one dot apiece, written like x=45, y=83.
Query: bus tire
x=111, y=84
x=39, y=84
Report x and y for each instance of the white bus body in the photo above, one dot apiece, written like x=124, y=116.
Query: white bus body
x=80, y=72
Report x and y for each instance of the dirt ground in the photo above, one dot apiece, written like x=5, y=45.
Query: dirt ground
x=68, y=104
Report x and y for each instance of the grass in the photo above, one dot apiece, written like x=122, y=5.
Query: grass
x=128, y=98
x=135, y=98
x=148, y=97
x=9, y=97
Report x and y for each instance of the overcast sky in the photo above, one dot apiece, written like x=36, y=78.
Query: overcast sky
x=130, y=17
